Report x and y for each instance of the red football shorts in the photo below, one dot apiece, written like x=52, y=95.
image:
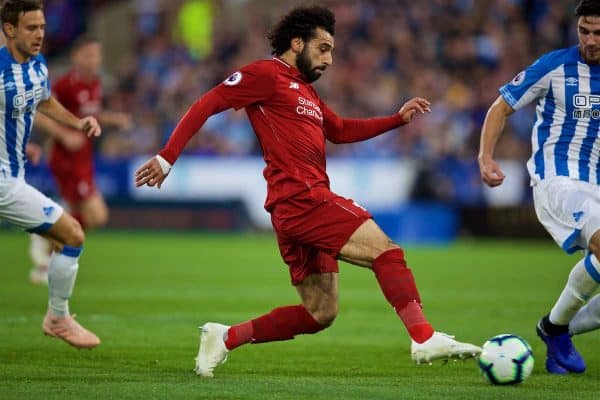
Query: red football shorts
x=75, y=180
x=312, y=227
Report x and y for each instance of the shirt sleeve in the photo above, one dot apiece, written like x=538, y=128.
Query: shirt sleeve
x=251, y=84
x=209, y=104
x=346, y=130
x=531, y=84
x=47, y=91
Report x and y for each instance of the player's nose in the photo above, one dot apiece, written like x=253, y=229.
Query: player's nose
x=591, y=39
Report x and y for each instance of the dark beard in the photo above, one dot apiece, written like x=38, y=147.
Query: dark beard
x=305, y=66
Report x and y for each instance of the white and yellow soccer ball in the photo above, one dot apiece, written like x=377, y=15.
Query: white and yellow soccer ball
x=506, y=359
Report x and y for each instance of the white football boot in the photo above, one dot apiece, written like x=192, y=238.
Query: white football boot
x=212, y=350
x=442, y=347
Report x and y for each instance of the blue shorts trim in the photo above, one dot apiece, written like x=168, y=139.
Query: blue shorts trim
x=40, y=229
x=569, y=244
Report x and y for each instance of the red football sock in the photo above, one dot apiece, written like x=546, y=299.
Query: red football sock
x=239, y=334
x=417, y=325
x=398, y=286
x=283, y=323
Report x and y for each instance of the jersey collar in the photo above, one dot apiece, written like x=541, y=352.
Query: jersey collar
x=294, y=71
x=5, y=54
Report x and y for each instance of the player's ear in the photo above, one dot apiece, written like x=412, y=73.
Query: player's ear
x=297, y=45
x=9, y=30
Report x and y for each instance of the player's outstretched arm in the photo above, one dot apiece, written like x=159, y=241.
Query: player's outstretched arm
x=346, y=130
x=493, y=125
x=155, y=170
x=53, y=109
x=70, y=139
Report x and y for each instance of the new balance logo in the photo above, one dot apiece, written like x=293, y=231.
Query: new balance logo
x=571, y=81
x=577, y=215
x=48, y=211
x=294, y=85
x=10, y=85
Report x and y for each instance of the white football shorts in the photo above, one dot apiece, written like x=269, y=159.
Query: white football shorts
x=26, y=207
x=569, y=210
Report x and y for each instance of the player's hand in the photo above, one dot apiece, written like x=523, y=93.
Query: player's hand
x=151, y=174
x=72, y=140
x=33, y=153
x=416, y=105
x=490, y=171
x=90, y=126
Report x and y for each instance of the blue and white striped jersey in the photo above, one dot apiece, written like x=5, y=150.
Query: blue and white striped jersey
x=22, y=87
x=564, y=138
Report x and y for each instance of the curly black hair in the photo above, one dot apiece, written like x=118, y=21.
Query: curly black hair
x=11, y=10
x=588, y=8
x=301, y=22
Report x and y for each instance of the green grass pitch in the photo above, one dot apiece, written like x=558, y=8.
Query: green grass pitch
x=145, y=294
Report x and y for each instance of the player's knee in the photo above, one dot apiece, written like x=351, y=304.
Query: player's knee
x=594, y=244
x=326, y=315
x=390, y=251
x=594, y=247
x=76, y=236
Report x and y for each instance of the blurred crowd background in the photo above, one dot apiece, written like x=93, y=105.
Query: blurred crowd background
x=161, y=55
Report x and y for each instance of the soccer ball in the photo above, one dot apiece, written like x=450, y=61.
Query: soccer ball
x=506, y=359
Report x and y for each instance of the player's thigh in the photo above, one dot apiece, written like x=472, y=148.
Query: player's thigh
x=319, y=294
x=26, y=207
x=569, y=210
x=93, y=210
x=366, y=244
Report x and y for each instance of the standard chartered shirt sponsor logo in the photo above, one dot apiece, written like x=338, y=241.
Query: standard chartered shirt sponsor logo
x=309, y=108
x=583, y=104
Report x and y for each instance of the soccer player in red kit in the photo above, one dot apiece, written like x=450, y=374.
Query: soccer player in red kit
x=314, y=226
x=80, y=90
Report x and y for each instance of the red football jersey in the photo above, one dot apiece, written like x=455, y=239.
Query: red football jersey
x=289, y=119
x=287, y=116
x=82, y=98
